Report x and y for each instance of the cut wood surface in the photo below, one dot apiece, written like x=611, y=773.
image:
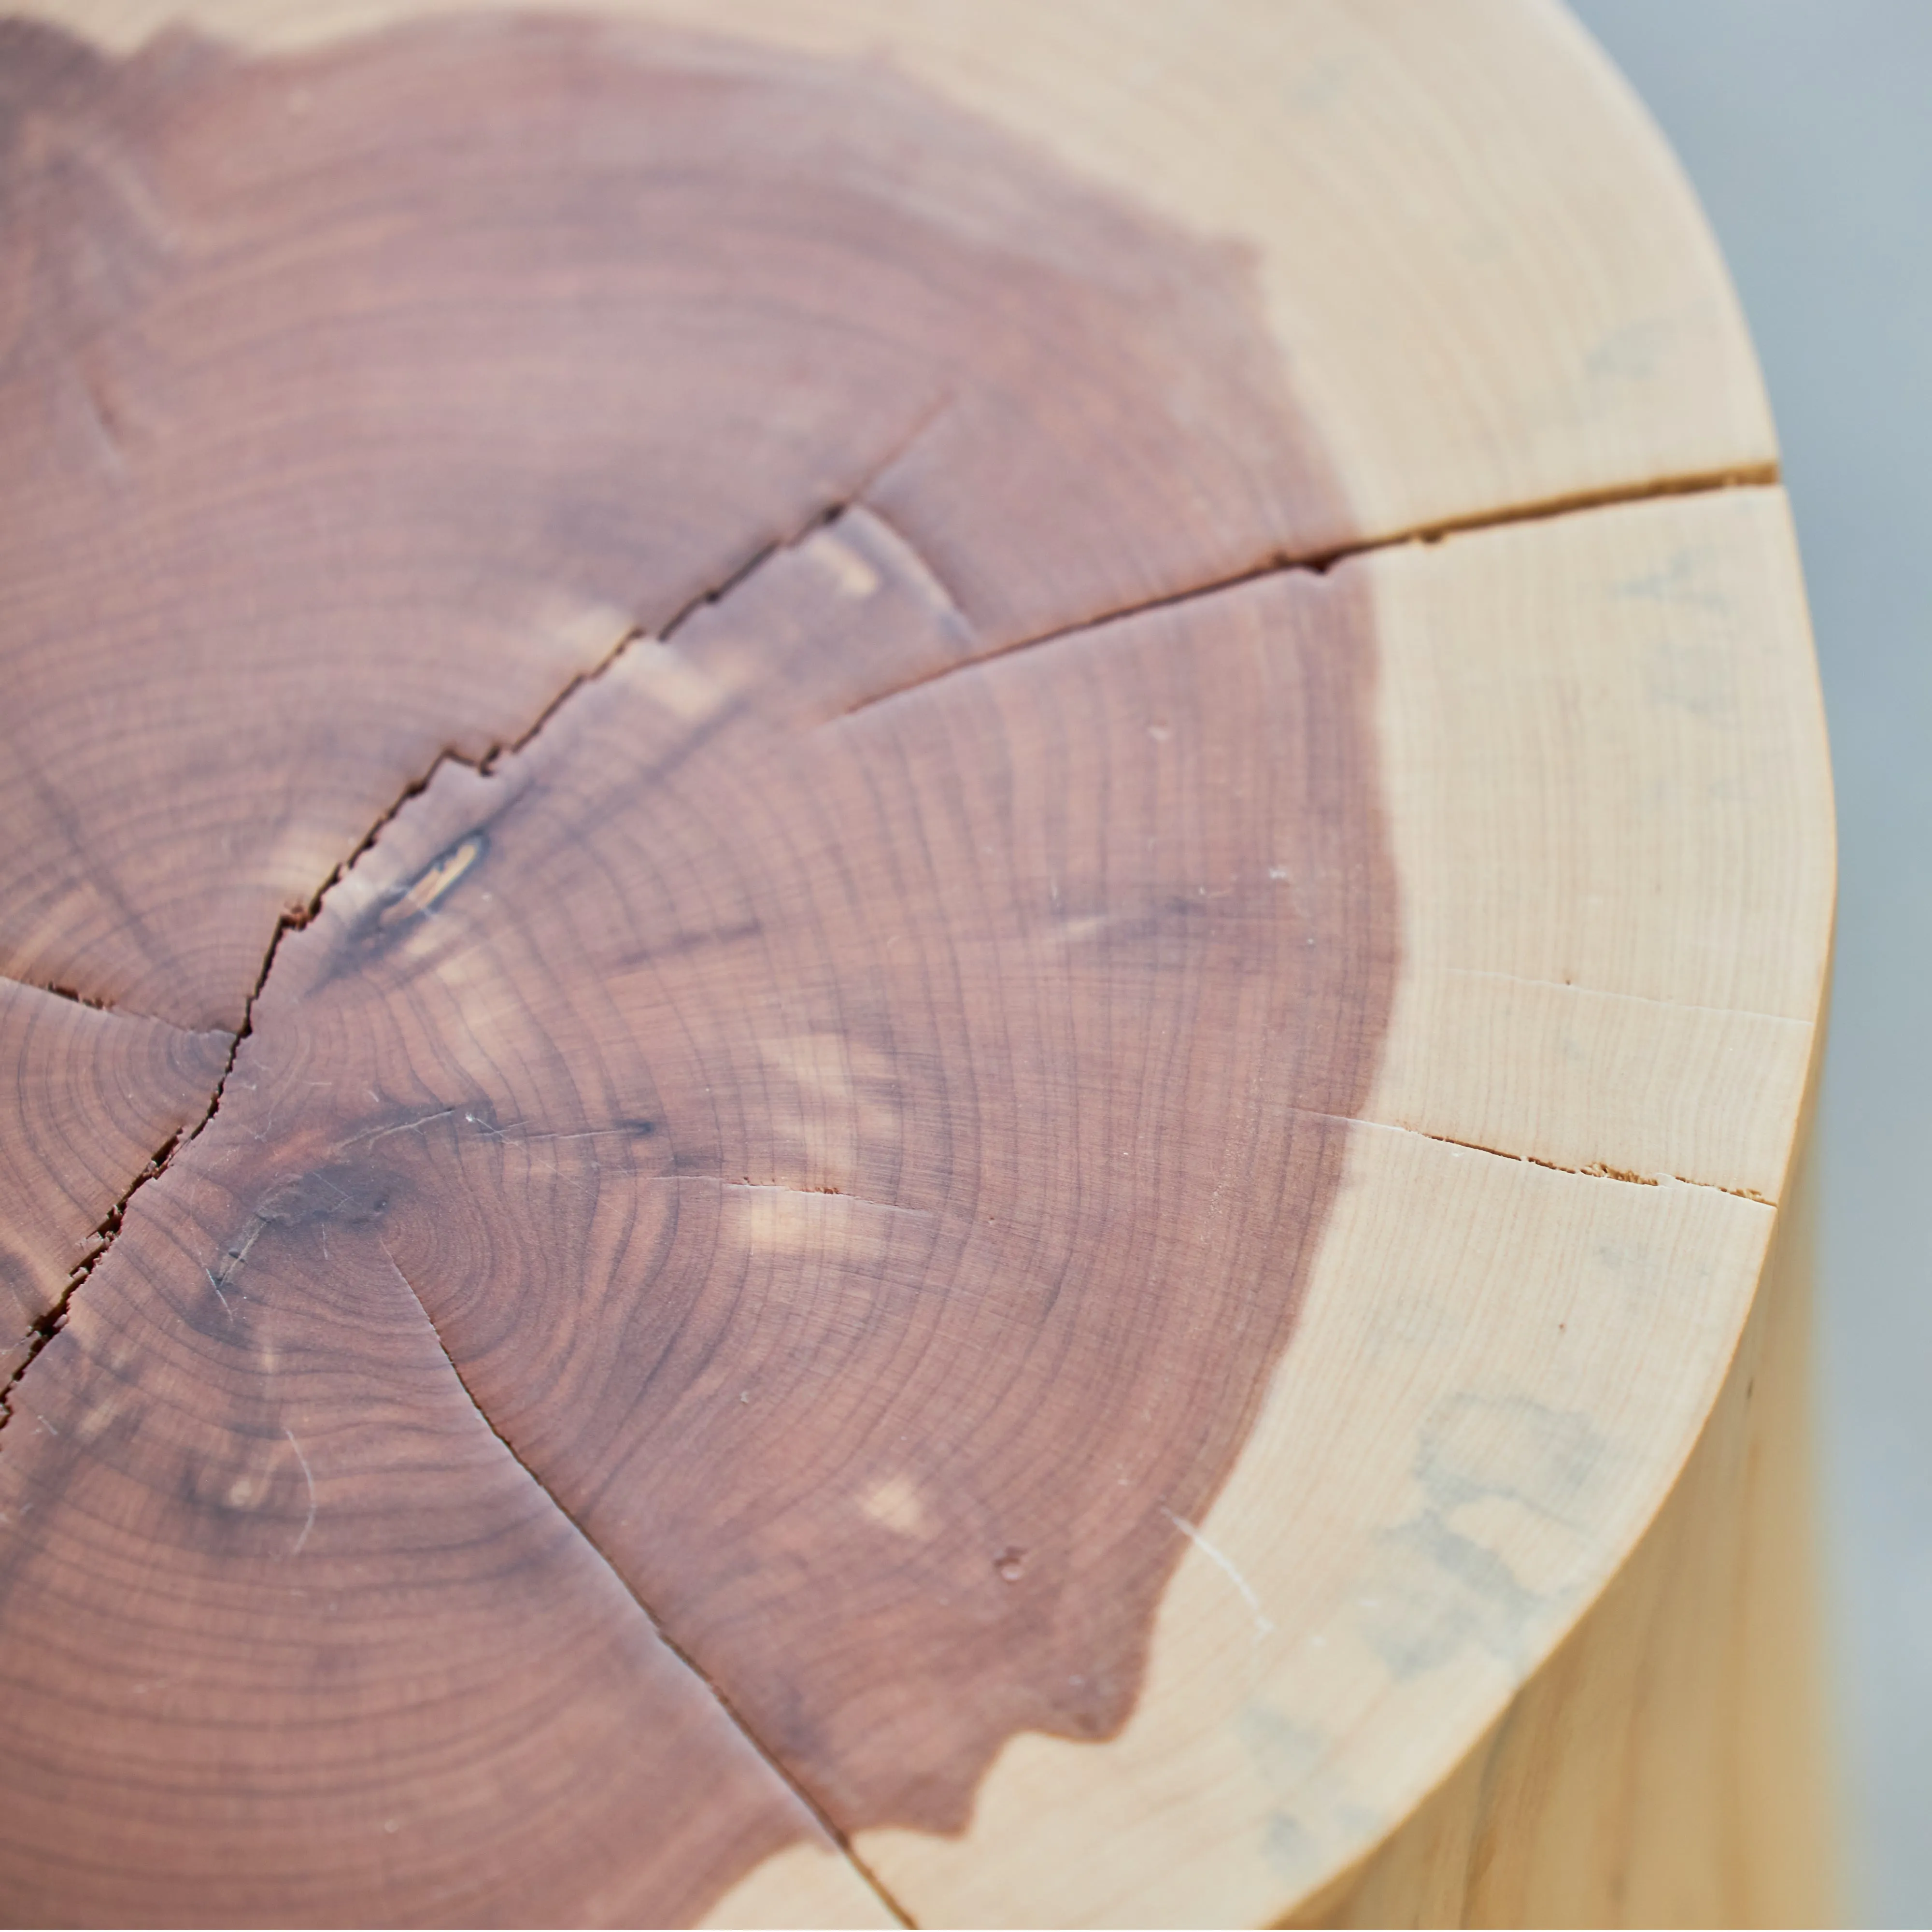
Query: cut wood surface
x=913, y=918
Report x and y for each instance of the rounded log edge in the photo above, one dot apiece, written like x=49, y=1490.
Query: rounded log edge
x=1669, y=1762
x=1493, y=1613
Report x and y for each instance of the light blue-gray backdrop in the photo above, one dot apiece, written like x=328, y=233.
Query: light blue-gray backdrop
x=1806, y=126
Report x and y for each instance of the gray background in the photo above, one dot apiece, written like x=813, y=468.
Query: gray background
x=1806, y=126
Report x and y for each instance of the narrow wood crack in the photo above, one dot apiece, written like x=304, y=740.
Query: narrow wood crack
x=1642, y=999
x=95, y=1003
x=1596, y=1171
x=749, y=1186
x=771, y=1760
x=1754, y=476
x=79, y=998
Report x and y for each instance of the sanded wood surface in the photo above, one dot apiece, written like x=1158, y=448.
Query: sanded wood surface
x=912, y=924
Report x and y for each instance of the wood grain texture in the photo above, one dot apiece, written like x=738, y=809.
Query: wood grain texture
x=535, y=404
x=964, y=1178
x=1482, y=264
x=772, y=1092
x=1504, y=1354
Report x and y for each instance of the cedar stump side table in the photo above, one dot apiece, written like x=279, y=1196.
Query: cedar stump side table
x=914, y=919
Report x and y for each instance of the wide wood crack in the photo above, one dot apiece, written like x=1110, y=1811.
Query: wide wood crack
x=105, y=1231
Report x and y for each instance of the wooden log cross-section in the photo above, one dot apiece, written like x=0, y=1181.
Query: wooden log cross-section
x=913, y=918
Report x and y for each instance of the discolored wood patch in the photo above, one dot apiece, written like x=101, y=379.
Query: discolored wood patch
x=812, y=1151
